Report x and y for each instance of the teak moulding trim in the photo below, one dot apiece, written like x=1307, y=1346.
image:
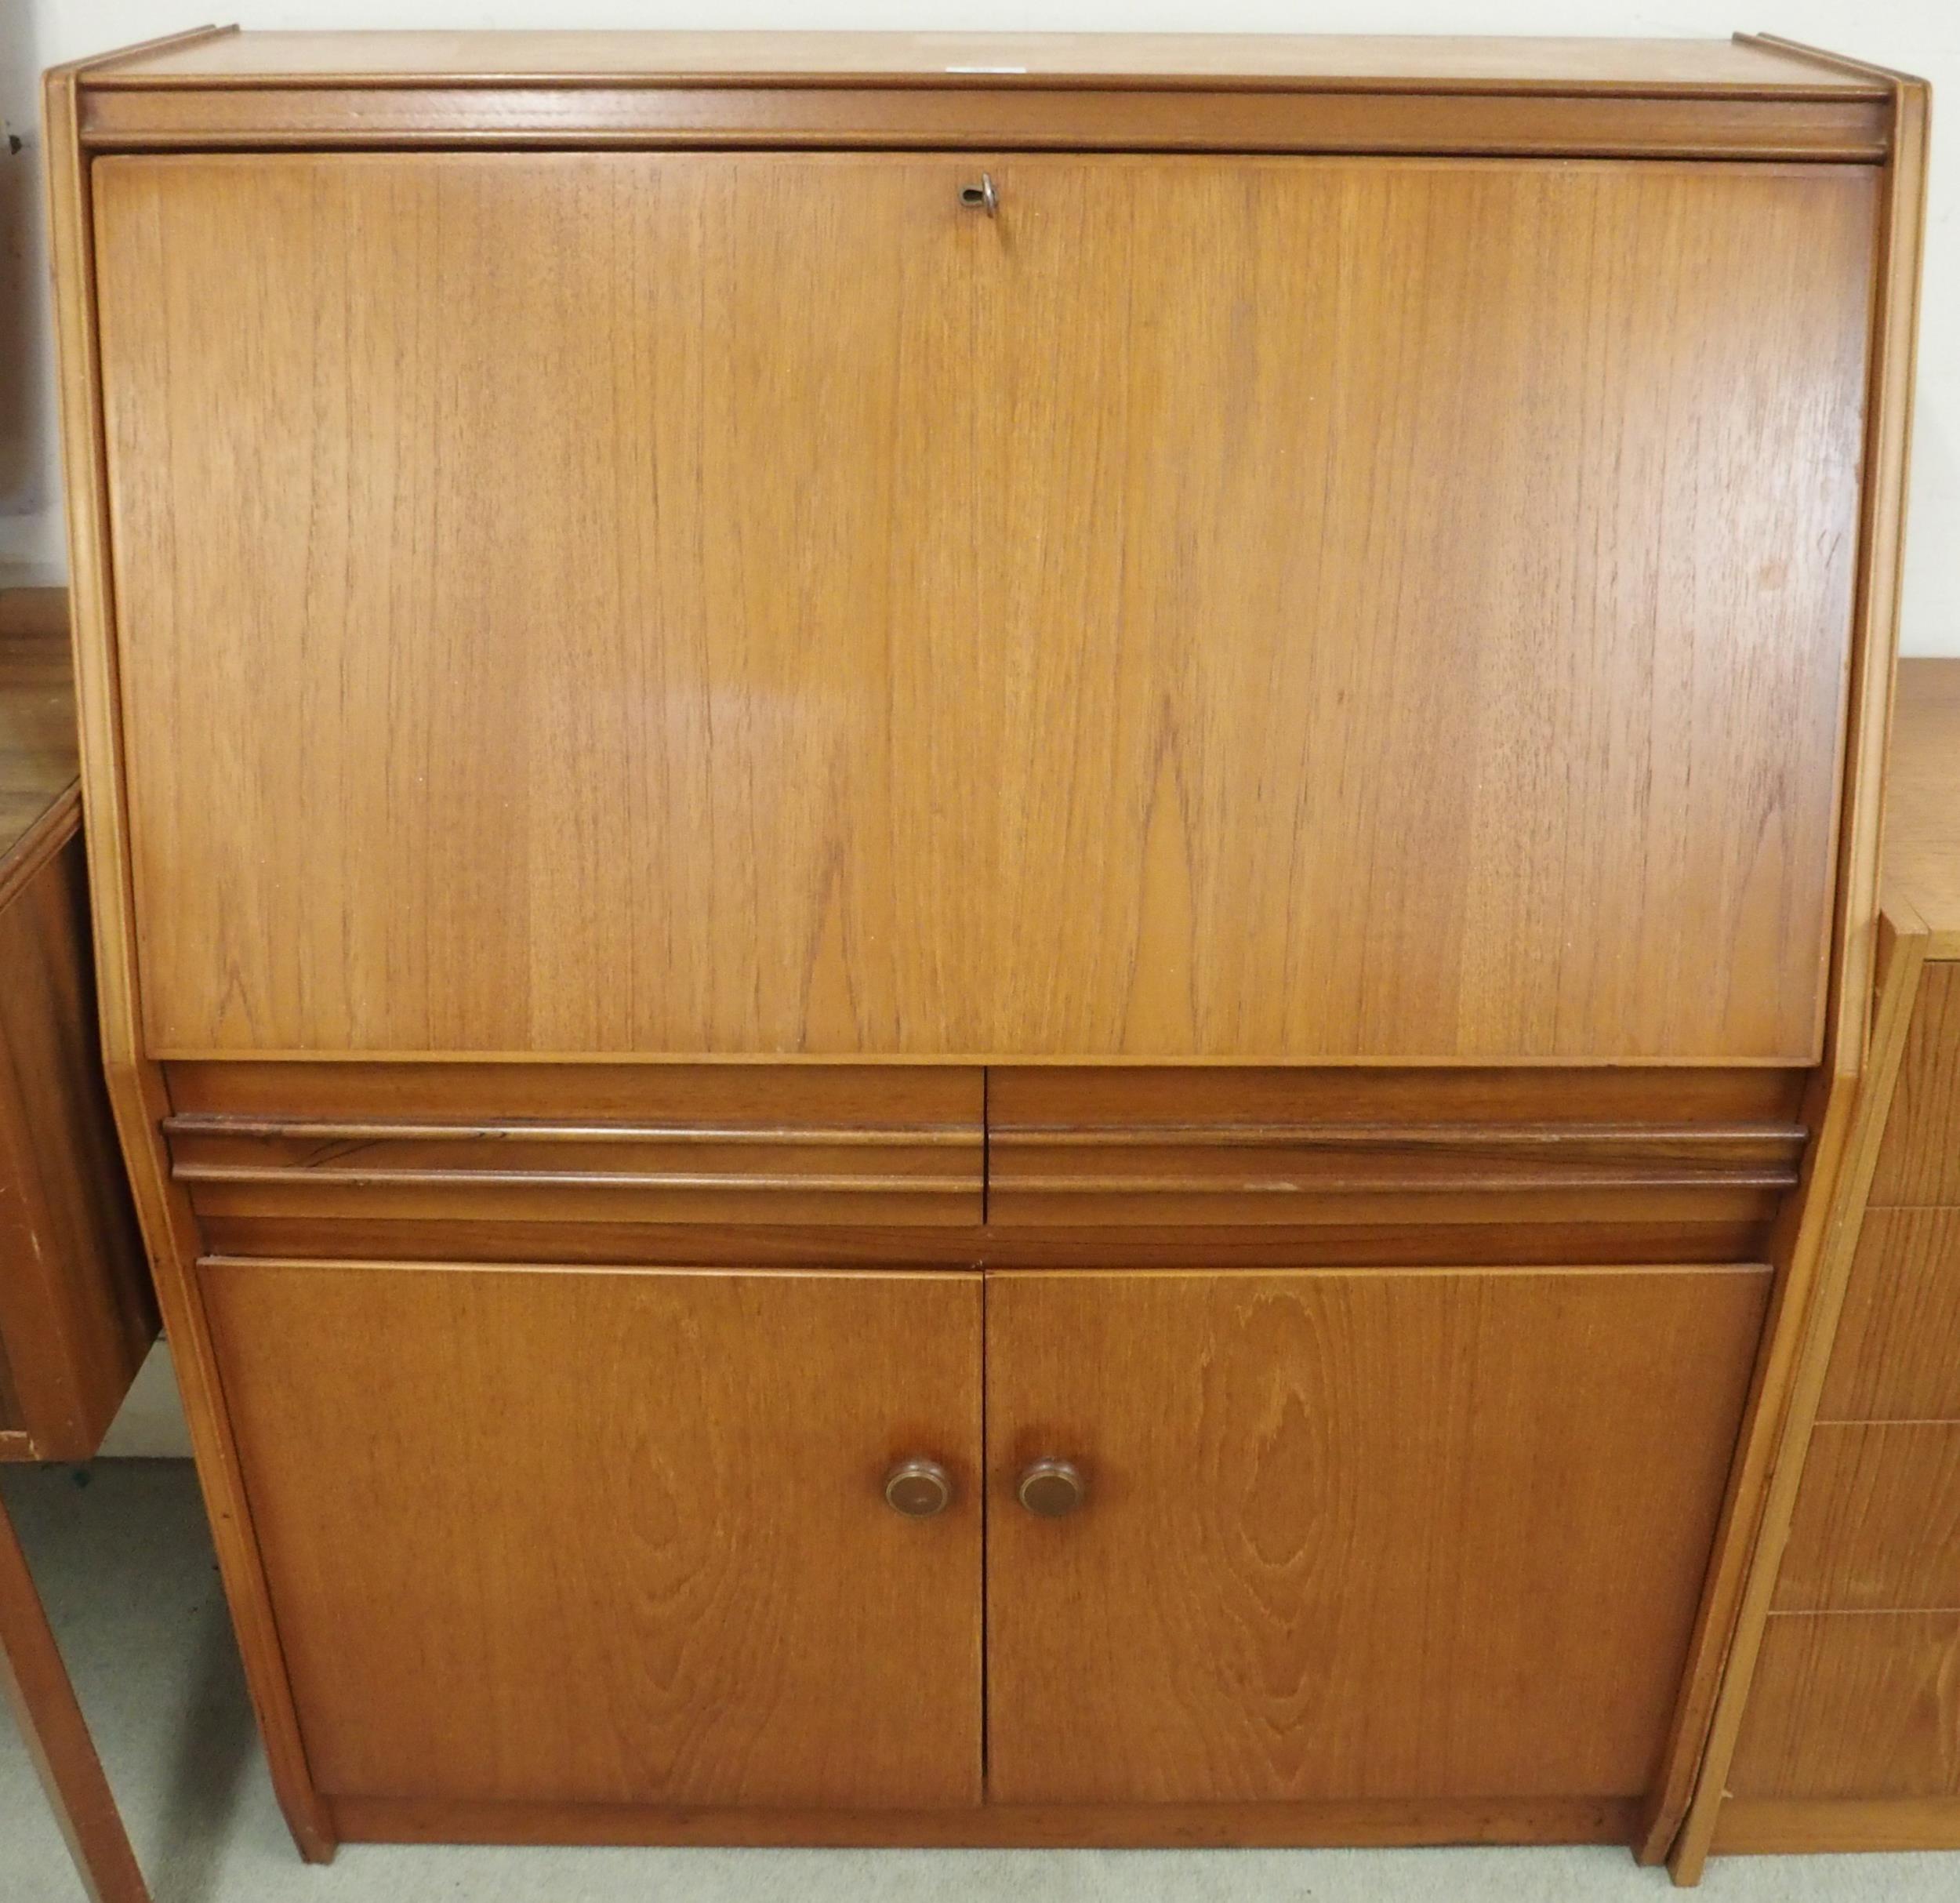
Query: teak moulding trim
x=1687, y=68
x=1059, y=1149
x=1127, y=118
x=1383, y=1821
x=1604, y=1239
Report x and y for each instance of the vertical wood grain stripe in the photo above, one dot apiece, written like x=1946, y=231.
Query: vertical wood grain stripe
x=135, y=1086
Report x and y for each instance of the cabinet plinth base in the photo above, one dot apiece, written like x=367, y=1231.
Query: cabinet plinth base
x=1379, y=1822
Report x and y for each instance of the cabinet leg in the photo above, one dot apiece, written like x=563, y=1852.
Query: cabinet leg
x=37, y=1688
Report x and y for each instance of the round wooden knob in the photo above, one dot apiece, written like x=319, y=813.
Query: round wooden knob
x=918, y=1489
x=1050, y=1487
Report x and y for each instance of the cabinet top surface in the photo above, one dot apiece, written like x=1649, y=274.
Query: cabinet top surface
x=1922, y=817
x=1317, y=61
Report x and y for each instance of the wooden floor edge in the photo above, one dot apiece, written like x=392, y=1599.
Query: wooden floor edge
x=1384, y=1823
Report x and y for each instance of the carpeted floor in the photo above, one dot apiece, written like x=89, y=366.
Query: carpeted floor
x=124, y=1564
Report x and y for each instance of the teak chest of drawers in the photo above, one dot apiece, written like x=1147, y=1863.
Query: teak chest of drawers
x=984, y=924
x=1841, y=1730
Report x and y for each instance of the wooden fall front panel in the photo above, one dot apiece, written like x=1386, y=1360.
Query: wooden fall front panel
x=1150, y=780
x=966, y=732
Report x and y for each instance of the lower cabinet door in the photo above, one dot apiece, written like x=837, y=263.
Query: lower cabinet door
x=616, y=1536
x=1344, y=1535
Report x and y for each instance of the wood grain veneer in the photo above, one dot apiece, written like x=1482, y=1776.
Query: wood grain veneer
x=136, y=1089
x=1854, y=1705
x=1812, y=1255
x=1686, y=67
x=37, y=757
x=1896, y=1354
x=1071, y=839
x=686, y=1588
x=76, y=1312
x=1878, y=1523
x=1920, y=1161
x=1353, y=1537
x=1922, y=866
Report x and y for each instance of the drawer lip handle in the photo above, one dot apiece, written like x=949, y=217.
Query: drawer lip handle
x=918, y=1488
x=1050, y=1488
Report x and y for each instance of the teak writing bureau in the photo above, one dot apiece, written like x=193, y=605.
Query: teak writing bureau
x=984, y=924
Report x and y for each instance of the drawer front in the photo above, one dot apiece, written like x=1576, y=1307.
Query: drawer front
x=774, y=709
x=1852, y=1705
x=1919, y=1161
x=592, y=1537
x=1877, y=1521
x=1896, y=1356
x=1350, y=1536
x=534, y=1150
x=1015, y=1166
x=1140, y=1148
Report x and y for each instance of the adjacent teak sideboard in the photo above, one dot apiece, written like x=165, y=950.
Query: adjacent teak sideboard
x=986, y=924
x=77, y=1315
x=1841, y=1727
